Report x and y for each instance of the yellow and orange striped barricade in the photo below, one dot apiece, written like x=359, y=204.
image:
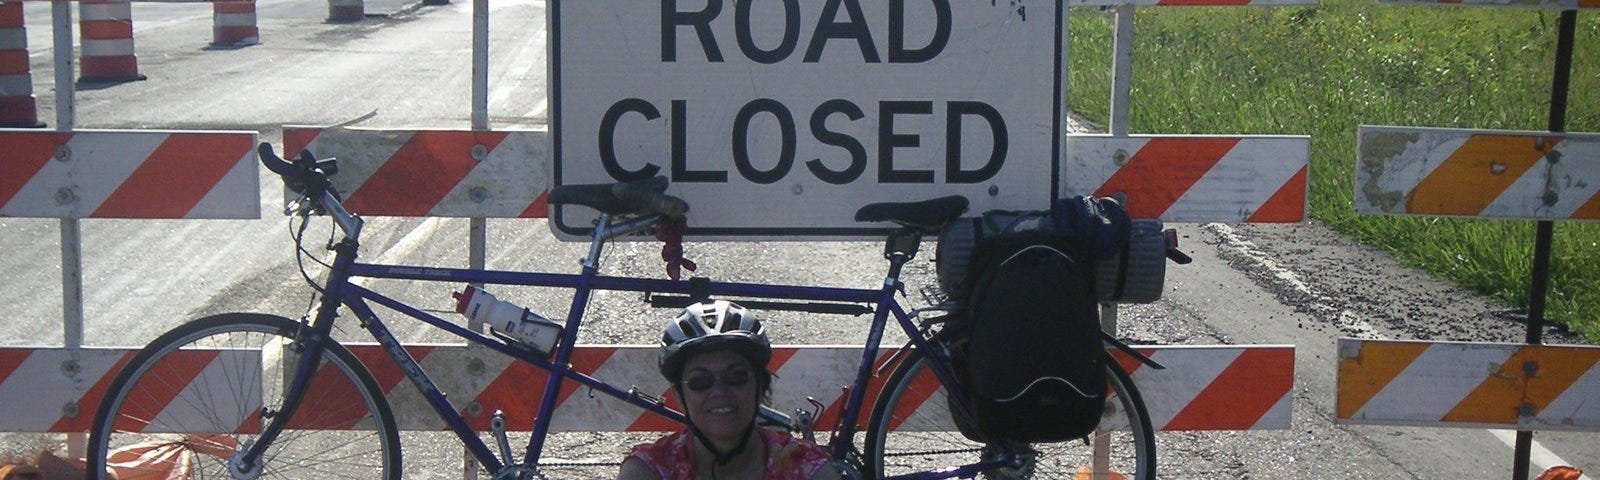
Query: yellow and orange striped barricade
x=1469, y=385
x=1536, y=4
x=1478, y=173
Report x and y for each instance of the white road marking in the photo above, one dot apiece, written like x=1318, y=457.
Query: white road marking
x=1539, y=458
x=1347, y=321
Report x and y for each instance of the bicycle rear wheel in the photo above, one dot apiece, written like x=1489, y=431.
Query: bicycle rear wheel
x=912, y=431
x=198, y=394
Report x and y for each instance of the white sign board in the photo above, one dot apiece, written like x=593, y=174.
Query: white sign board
x=778, y=119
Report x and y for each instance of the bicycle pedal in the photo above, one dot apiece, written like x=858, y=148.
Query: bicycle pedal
x=805, y=421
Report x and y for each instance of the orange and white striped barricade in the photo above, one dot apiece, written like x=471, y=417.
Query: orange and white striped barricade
x=434, y=173
x=1193, y=178
x=1478, y=173
x=1468, y=385
x=1203, y=388
x=111, y=174
x=57, y=390
x=233, y=23
x=106, y=31
x=129, y=174
x=17, y=106
x=1216, y=387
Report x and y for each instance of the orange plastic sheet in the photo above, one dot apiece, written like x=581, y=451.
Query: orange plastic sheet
x=169, y=460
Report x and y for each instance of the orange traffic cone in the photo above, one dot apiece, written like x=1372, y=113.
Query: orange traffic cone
x=105, y=29
x=17, y=106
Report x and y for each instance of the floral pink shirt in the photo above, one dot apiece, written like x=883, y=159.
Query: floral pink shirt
x=672, y=457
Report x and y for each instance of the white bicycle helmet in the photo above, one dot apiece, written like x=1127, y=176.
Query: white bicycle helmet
x=716, y=325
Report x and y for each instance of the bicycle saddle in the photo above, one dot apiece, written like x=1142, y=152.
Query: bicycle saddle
x=622, y=198
x=929, y=215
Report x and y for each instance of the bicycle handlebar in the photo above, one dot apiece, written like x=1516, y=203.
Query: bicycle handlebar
x=309, y=177
x=646, y=195
x=306, y=175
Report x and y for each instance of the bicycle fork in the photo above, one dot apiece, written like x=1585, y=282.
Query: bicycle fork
x=309, y=343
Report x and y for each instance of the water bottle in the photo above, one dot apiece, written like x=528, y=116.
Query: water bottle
x=509, y=320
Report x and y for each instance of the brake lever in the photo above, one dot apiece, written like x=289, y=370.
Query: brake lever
x=309, y=163
x=293, y=207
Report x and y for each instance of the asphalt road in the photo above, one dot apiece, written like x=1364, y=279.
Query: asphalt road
x=1295, y=284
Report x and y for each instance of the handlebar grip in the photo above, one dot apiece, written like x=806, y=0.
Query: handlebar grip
x=273, y=162
x=305, y=175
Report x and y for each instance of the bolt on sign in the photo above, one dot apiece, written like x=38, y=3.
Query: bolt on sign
x=781, y=118
x=1478, y=173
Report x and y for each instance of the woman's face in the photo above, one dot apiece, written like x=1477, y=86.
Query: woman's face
x=728, y=405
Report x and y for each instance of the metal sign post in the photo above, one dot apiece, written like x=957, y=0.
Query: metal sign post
x=1545, y=231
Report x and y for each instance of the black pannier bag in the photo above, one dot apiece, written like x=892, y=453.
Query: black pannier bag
x=1130, y=263
x=1027, y=347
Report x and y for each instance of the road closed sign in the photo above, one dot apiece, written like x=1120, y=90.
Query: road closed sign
x=780, y=118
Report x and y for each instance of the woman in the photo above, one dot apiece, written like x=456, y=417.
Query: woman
x=715, y=355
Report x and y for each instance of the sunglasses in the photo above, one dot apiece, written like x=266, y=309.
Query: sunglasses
x=701, y=382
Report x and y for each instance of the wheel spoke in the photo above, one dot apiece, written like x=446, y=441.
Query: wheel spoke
x=926, y=439
x=223, y=397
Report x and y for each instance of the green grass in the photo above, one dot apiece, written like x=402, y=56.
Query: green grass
x=1323, y=71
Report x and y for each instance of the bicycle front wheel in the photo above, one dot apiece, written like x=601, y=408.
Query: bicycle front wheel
x=912, y=431
x=201, y=393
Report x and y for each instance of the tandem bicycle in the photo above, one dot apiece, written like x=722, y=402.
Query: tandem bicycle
x=291, y=427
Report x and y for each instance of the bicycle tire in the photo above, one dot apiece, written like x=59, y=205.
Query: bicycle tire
x=911, y=431
x=195, y=391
